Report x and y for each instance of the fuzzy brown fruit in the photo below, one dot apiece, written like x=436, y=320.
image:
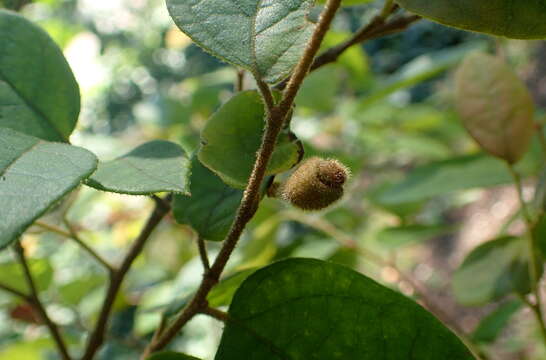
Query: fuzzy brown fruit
x=316, y=184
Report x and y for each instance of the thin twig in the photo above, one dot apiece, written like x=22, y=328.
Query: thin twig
x=534, y=276
x=240, y=85
x=37, y=304
x=215, y=313
x=16, y=292
x=248, y=206
x=377, y=27
x=97, y=337
x=202, y=246
x=72, y=234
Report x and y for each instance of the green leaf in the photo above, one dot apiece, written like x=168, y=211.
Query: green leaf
x=38, y=93
x=394, y=237
x=171, y=355
x=11, y=274
x=509, y=18
x=539, y=233
x=34, y=175
x=495, y=106
x=442, y=177
x=222, y=294
x=348, y=2
x=71, y=293
x=266, y=38
x=153, y=167
x=492, y=325
x=421, y=69
x=493, y=270
x=211, y=208
x=233, y=135
x=310, y=309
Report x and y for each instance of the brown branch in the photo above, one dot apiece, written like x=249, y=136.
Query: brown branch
x=215, y=313
x=248, y=206
x=97, y=337
x=377, y=28
x=37, y=304
x=16, y=292
x=202, y=246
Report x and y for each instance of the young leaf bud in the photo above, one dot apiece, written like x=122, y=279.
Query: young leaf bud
x=315, y=184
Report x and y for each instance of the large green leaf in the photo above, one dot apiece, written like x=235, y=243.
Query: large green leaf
x=171, y=355
x=212, y=206
x=153, y=167
x=520, y=19
x=264, y=37
x=446, y=176
x=492, y=271
x=495, y=106
x=310, y=309
x=233, y=135
x=34, y=175
x=38, y=93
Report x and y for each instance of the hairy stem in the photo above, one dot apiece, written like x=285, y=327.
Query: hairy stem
x=37, y=304
x=275, y=120
x=215, y=313
x=97, y=336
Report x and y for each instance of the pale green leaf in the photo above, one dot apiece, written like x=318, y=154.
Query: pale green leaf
x=34, y=176
x=38, y=93
x=495, y=106
x=156, y=166
x=264, y=37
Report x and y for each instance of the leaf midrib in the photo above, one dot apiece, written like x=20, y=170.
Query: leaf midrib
x=33, y=107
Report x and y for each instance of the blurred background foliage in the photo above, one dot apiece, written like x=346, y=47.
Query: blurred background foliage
x=421, y=194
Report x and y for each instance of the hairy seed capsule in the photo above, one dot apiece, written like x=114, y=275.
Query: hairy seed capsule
x=316, y=184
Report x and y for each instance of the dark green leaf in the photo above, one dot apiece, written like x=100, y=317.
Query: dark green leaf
x=233, y=135
x=34, y=175
x=38, y=93
x=263, y=37
x=482, y=82
x=171, y=355
x=156, y=166
x=492, y=325
x=212, y=206
x=539, y=233
x=409, y=234
x=509, y=18
x=493, y=270
x=310, y=309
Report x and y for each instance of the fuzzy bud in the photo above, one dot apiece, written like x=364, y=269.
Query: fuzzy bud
x=316, y=184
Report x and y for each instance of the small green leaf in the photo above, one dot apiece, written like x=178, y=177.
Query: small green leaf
x=11, y=274
x=171, y=355
x=233, y=135
x=310, y=309
x=35, y=175
x=492, y=325
x=394, y=237
x=212, y=206
x=495, y=106
x=39, y=95
x=493, y=270
x=509, y=18
x=443, y=177
x=266, y=38
x=156, y=166
x=222, y=294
